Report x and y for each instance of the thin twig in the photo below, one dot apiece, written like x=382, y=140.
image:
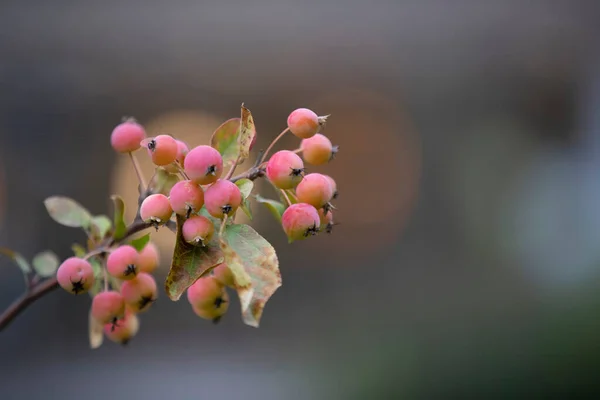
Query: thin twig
x=138, y=172
x=181, y=170
x=233, y=167
x=286, y=197
x=264, y=156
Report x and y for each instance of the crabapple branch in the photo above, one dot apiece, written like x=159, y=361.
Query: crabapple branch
x=264, y=156
x=38, y=290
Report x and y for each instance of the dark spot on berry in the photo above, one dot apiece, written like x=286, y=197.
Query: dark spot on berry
x=219, y=301
x=226, y=209
x=130, y=270
x=77, y=286
x=327, y=207
x=335, y=195
x=114, y=324
x=297, y=171
x=145, y=301
x=152, y=145
x=311, y=231
x=211, y=170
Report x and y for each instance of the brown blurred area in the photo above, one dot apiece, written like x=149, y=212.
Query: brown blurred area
x=466, y=262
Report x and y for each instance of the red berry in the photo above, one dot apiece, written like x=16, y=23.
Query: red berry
x=285, y=169
x=303, y=123
x=123, y=330
x=139, y=293
x=148, y=258
x=300, y=221
x=222, y=197
x=208, y=298
x=122, y=263
x=107, y=307
x=317, y=150
x=156, y=208
x=126, y=137
x=186, y=197
x=315, y=189
x=75, y=275
x=203, y=165
x=197, y=230
x=163, y=149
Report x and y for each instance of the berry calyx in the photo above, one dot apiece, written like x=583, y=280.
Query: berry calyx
x=299, y=221
x=75, y=275
x=108, y=307
x=124, y=329
x=126, y=136
x=222, y=198
x=186, y=197
x=326, y=220
x=285, y=169
x=203, y=164
x=139, y=293
x=163, y=149
x=156, y=208
x=315, y=189
x=197, y=230
x=148, y=258
x=122, y=263
x=223, y=274
x=333, y=187
x=318, y=150
x=303, y=123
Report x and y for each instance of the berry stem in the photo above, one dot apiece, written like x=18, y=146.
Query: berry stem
x=264, y=156
x=287, y=199
x=181, y=171
x=223, y=223
x=105, y=279
x=297, y=151
x=233, y=167
x=138, y=172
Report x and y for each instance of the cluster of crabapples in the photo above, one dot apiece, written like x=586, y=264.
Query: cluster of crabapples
x=132, y=287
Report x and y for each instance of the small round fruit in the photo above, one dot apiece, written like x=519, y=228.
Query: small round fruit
x=163, y=149
x=214, y=311
x=315, y=189
x=333, y=186
x=223, y=274
x=285, y=169
x=197, y=230
x=148, y=258
x=139, y=293
x=156, y=208
x=203, y=165
x=75, y=275
x=186, y=197
x=317, y=150
x=182, y=150
x=300, y=221
x=222, y=198
x=126, y=136
x=108, y=307
x=326, y=220
x=204, y=291
x=125, y=329
x=122, y=263
x=303, y=123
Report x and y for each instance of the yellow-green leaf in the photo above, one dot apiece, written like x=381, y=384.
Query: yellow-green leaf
x=141, y=242
x=276, y=208
x=247, y=134
x=67, y=212
x=45, y=263
x=225, y=140
x=245, y=186
x=19, y=260
x=119, y=217
x=96, y=335
x=100, y=225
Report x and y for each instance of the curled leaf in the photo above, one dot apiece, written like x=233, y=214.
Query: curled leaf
x=245, y=186
x=225, y=140
x=190, y=263
x=68, y=212
x=162, y=181
x=45, y=263
x=119, y=217
x=100, y=225
x=255, y=268
x=247, y=134
x=276, y=208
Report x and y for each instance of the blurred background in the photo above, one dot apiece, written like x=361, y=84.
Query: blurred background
x=467, y=259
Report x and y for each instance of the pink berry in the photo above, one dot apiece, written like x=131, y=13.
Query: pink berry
x=148, y=258
x=203, y=164
x=198, y=230
x=186, y=197
x=156, y=208
x=208, y=298
x=315, y=189
x=122, y=331
x=140, y=292
x=75, y=275
x=163, y=149
x=326, y=220
x=285, y=169
x=222, y=197
x=122, y=263
x=223, y=274
x=333, y=186
x=317, y=150
x=303, y=123
x=182, y=150
x=126, y=137
x=108, y=307
x=300, y=221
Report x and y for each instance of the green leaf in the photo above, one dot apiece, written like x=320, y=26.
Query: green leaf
x=98, y=285
x=95, y=332
x=255, y=268
x=78, y=250
x=141, y=242
x=247, y=134
x=225, y=140
x=45, y=263
x=17, y=258
x=246, y=186
x=119, y=217
x=277, y=208
x=100, y=225
x=190, y=262
x=68, y=212
x=162, y=181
